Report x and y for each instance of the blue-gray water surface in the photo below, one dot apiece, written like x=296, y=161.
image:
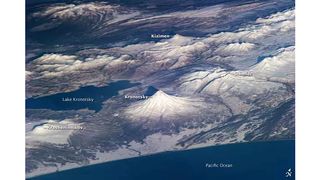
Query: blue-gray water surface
x=250, y=161
x=98, y=94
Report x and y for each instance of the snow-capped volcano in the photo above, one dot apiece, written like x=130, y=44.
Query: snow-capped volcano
x=162, y=106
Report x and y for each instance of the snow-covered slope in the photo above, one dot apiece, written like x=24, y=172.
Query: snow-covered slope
x=162, y=106
x=240, y=90
x=52, y=132
x=279, y=67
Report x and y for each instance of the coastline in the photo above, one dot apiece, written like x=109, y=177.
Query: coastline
x=73, y=166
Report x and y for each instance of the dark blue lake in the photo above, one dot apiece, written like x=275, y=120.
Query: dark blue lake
x=80, y=98
x=250, y=161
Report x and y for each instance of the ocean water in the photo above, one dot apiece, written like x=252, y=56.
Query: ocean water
x=242, y=161
x=98, y=94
